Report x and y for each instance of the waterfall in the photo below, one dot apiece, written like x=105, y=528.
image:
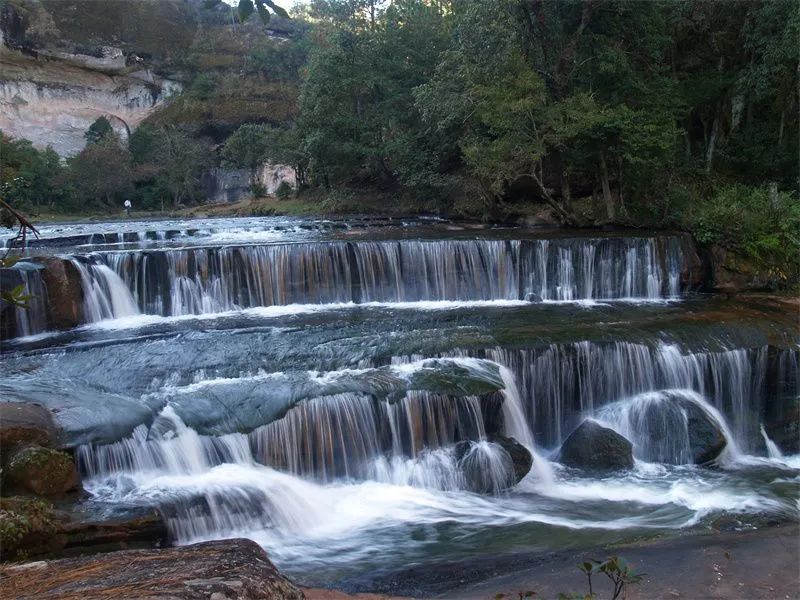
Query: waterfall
x=658, y=424
x=105, y=295
x=772, y=449
x=348, y=435
x=562, y=383
x=31, y=318
x=174, y=282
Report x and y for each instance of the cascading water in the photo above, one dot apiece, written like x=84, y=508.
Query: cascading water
x=563, y=383
x=659, y=424
x=31, y=318
x=362, y=440
x=105, y=296
x=202, y=280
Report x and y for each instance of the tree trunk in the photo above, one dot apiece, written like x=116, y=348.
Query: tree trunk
x=611, y=209
x=566, y=191
x=566, y=217
x=596, y=206
x=712, y=142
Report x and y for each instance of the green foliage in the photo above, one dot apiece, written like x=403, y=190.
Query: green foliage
x=22, y=519
x=29, y=177
x=99, y=131
x=340, y=201
x=100, y=174
x=258, y=190
x=754, y=222
x=248, y=147
x=168, y=163
x=284, y=191
x=263, y=7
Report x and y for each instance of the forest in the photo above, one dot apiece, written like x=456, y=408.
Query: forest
x=677, y=114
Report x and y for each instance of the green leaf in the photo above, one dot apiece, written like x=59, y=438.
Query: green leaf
x=263, y=13
x=276, y=9
x=245, y=9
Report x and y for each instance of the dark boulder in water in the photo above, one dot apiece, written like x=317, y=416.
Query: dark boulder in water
x=493, y=465
x=706, y=440
x=675, y=427
x=521, y=457
x=594, y=447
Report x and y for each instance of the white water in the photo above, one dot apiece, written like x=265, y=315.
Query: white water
x=105, y=295
x=310, y=518
x=772, y=449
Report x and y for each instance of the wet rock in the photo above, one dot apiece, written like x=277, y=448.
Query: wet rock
x=28, y=527
x=145, y=530
x=232, y=569
x=26, y=423
x=64, y=292
x=521, y=457
x=783, y=426
x=41, y=471
x=734, y=273
x=493, y=465
x=594, y=447
x=533, y=297
x=34, y=528
x=706, y=440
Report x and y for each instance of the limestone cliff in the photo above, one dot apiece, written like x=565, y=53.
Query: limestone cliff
x=63, y=64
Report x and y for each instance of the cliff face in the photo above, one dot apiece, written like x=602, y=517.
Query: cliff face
x=64, y=64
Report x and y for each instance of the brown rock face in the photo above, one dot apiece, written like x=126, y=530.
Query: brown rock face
x=26, y=424
x=231, y=569
x=64, y=293
x=733, y=273
x=41, y=471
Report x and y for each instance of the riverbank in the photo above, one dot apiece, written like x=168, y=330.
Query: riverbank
x=761, y=563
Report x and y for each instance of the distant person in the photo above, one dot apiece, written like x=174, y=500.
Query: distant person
x=127, y=206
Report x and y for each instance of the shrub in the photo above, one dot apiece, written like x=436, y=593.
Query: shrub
x=258, y=190
x=284, y=191
x=755, y=223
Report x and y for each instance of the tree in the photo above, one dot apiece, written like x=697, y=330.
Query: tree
x=247, y=148
x=101, y=173
x=98, y=131
x=29, y=176
x=168, y=161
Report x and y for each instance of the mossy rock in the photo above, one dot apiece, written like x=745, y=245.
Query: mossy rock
x=28, y=527
x=41, y=471
x=26, y=423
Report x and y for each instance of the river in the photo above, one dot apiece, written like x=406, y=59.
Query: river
x=305, y=383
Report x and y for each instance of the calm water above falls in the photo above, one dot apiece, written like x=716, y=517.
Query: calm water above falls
x=311, y=395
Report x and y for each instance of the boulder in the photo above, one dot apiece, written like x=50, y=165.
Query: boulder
x=64, y=292
x=227, y=569
x=41, y=471
x=493, y=465
x=783, y=425
x=706, y=440
x=145, y=529
x=33, y=528
x=24, y=423
x=28, y=527
x=596, y=448
x=734, y=273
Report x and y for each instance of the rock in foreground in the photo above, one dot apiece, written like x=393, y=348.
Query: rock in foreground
x=594, y=447
x=229, y=569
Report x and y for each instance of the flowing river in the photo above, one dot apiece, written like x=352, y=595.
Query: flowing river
x=334, y=390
